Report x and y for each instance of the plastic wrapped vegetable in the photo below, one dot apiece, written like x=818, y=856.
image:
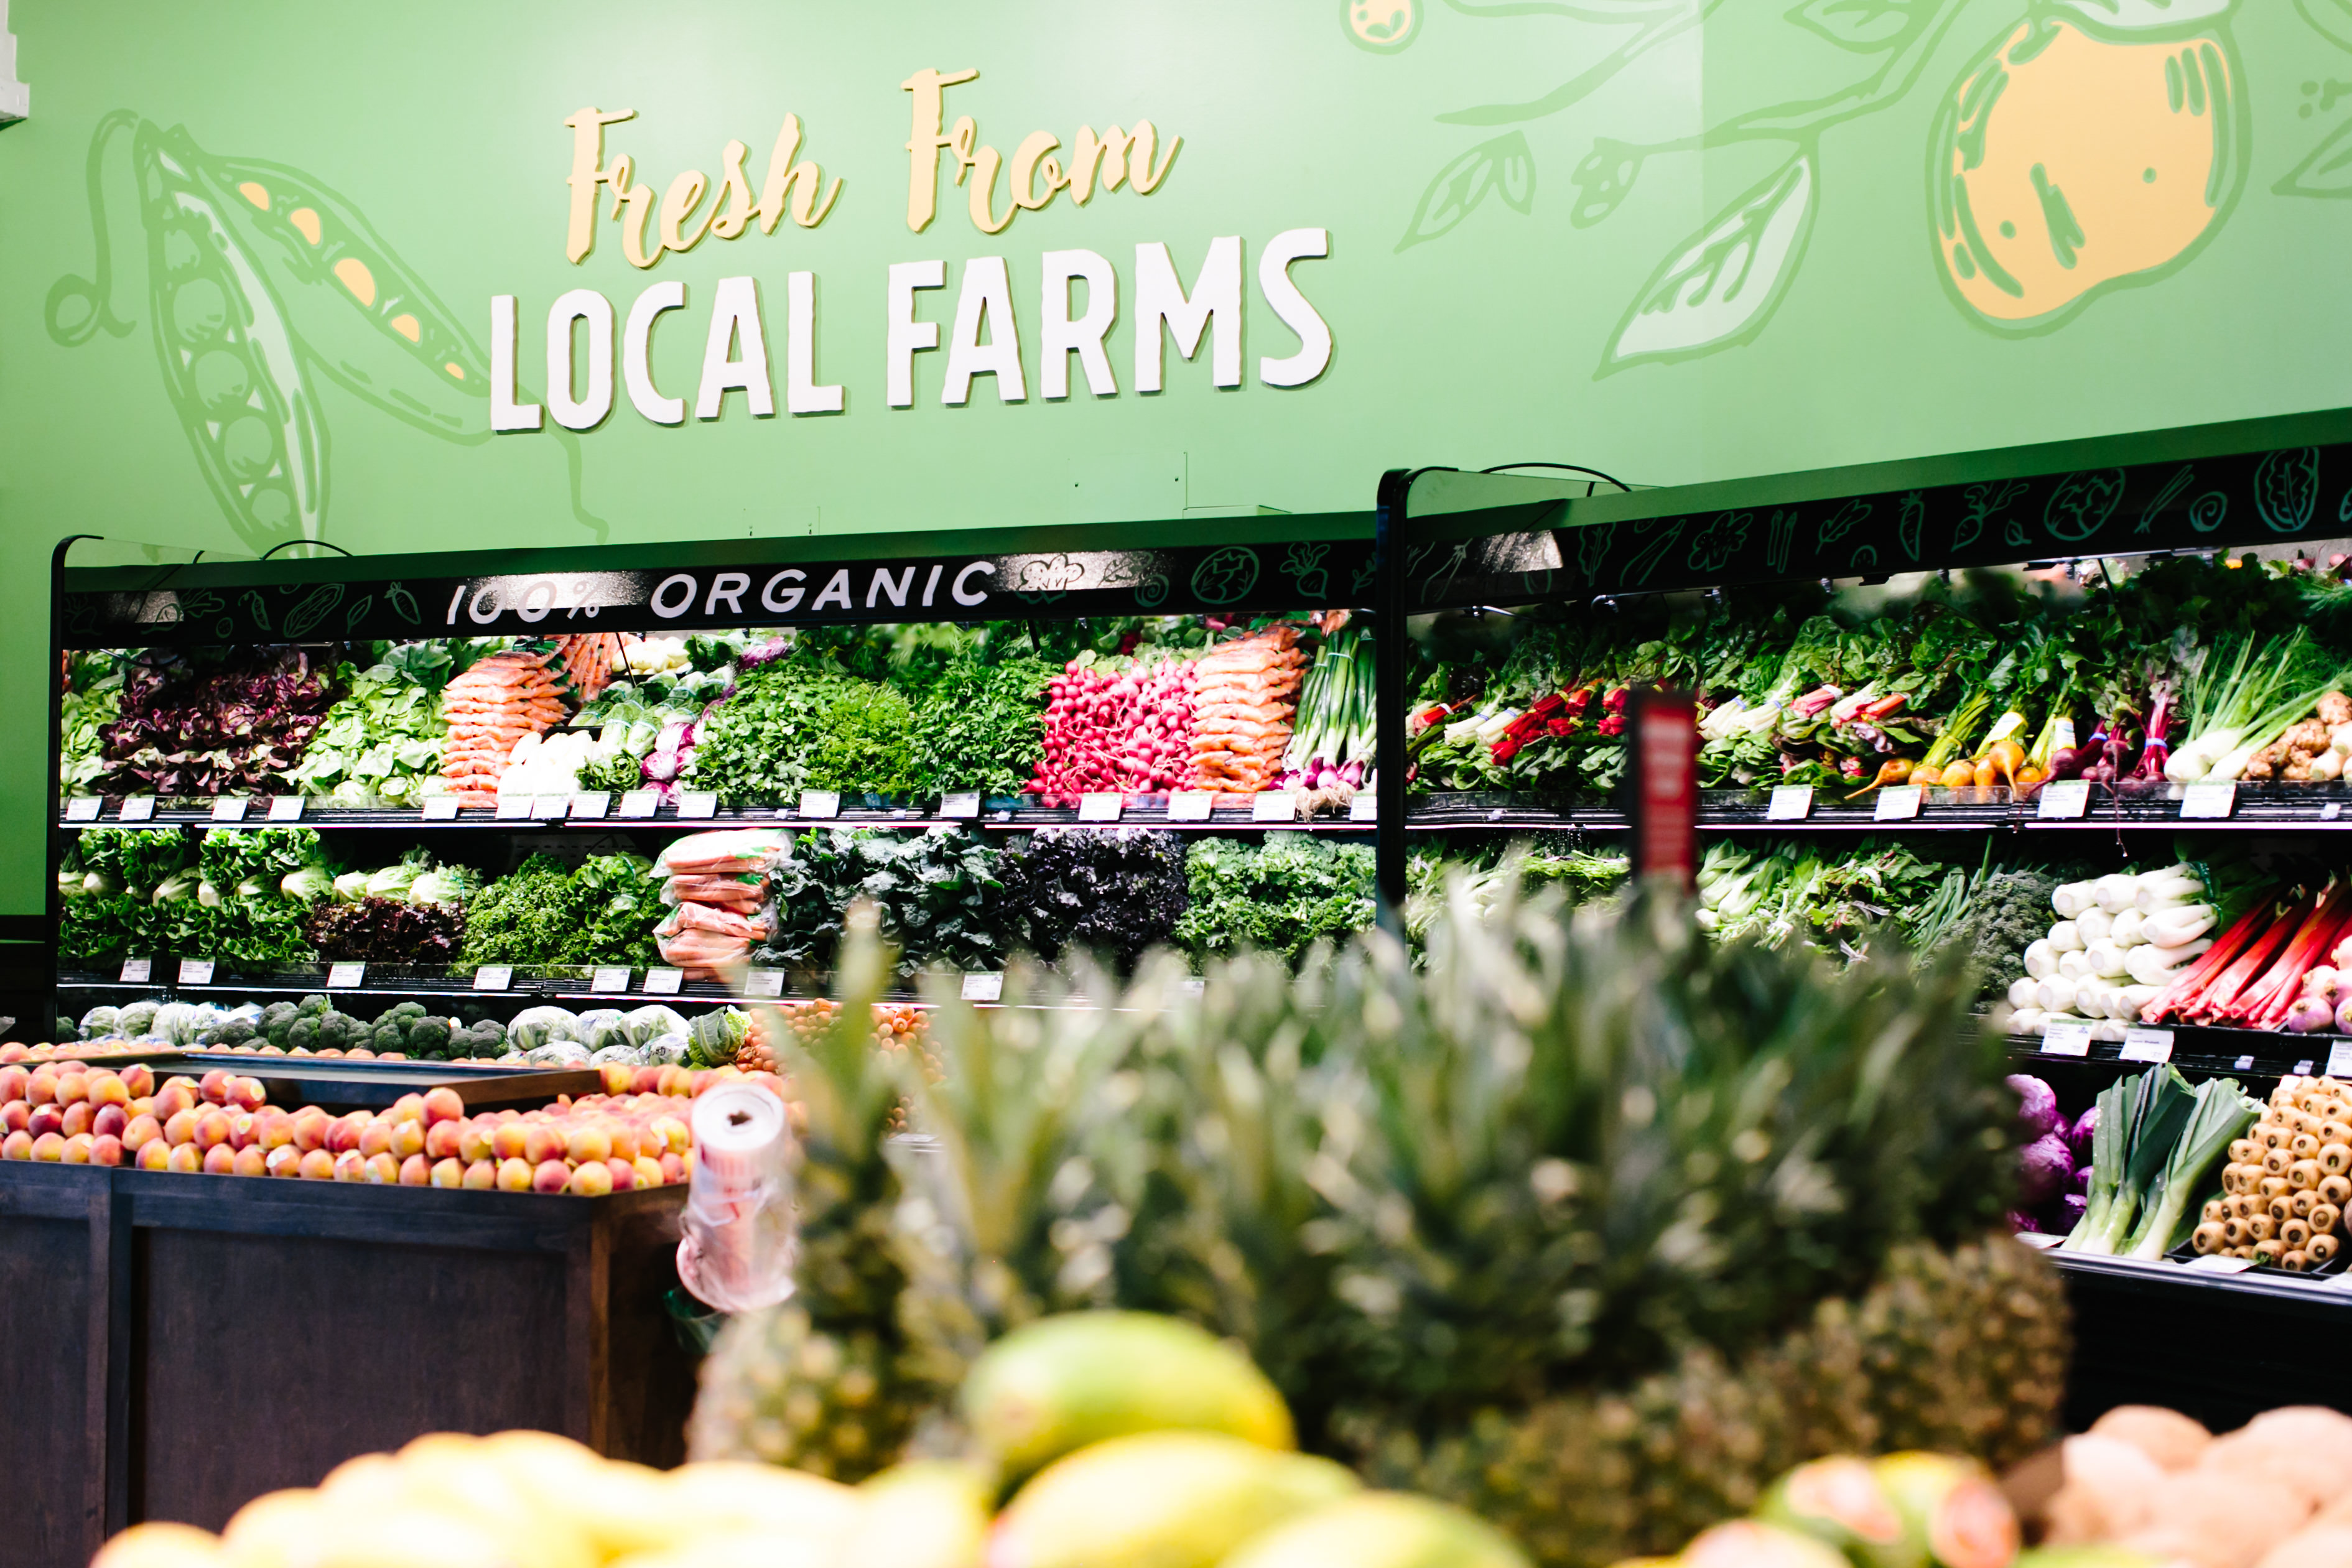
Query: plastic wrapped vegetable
x=650, y=1022
x=600, y=1027
x=667, y=1049
x=137, y=1020
x=101, y=1023
x=606, y=1056
x=176, y=1021
x=557, y=1054
x=536, y=1027
x=715, y=1036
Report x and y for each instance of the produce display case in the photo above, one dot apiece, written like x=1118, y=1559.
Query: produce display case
x=1471, y=554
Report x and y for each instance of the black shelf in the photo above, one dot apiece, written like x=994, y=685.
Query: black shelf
x=1147, y=812
x=2299, y=808
x=2201, y=1052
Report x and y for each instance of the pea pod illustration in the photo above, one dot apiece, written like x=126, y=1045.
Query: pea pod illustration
x=262, y=284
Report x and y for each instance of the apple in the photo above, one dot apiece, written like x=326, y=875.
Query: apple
x=213, y=1088
x=185, y=1158
x=443, y=1104
x=310, y=1128
x=509, y=1141
x=623, y=1172
x=16, y=1116
x=415, y=1171
x=105, y=1089
x=139, y=1080
x=542, y=1143
x=140, y=1132
x=47, y=1119
x=317, y=1164
x=285, y=1160
x=589, y=1144
x=513, y=1176
x=407, y=1138
x=78, y=1118
x=16, y=1145
x=13, y=1080
x=550, y=1177
x=250, y=1161
x=214, y=1130
x=481, y=1175
x=649, y=1172
x=475, y=1140
x=155, y=1154
x=220, y=1160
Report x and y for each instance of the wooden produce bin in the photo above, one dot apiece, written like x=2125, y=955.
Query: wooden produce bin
x=201, y=1339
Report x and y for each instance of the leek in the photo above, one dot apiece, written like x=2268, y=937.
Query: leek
x=2152, y=1112
x=2219, y=1113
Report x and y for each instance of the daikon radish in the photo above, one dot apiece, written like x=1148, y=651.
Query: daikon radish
x=2075, y=965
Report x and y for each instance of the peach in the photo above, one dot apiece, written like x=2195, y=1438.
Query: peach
x=13, y=1051
x=244, y=1129
x=142, y=1132
x=442, y=1141
x=47, y=1119
x=622, y=1172
x=362, y=1053
x=376, y=1138
x=213, y=1088
x=550, y=1177
x=446, y=1173
x=649, y=1172
x=13, y=1080
x=214, y=1130
x=627, y=1143
x=514, y=1175
x=142, y=1106
x=475, y=1140
x=408, y=1139
x=481, y=1175
x=180, y=1127
x=16, y=1116
x=250, y=1161
x=343, y=1133
x=674, y=1133
x=185, y=1159
x=41, y=1085
x=310, y=1126
x=106, y=1089
x=316, y=1164
x=220, y=1160
x=105, y=1149
x=78, y=1118
x=285, y=1160
x=16, y=1145
x=618, y=1075
x=351, y=1166
x=174, y=1096
x=155, y=1155
x=542, y=1143
x=509, y=1141
x=72, y=1088
x=77, y=1149
x=383, y=1170
x=589, y=1144
x=407, y=1108
x=644, y=1080
x=139, y=1080
x=444, y=1104
x=110, y=1122
x=248, y=1094
x=273, y=1129
x=415, y=1171
x=593, y=1179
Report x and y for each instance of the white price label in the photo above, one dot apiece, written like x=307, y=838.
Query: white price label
x=2332, y=812
x=2339, y=1059
x=1790, y=803
x=767, y=982
x=1365, y=806
x=229, y=809
x=137, y=971
x=820, y=805
x=591, y=806
x=139, y=808
x=2148, y=1045
x=1275, y=806
x=2209, y=802
x=514, y=808
x=551, y=808
x=1104, y=806
x=2245, y=1065
x=83, y=809
x=609, y=981
x=983, y=988
x=2216, y=1263
x=286, y=807
x=346, y=977
x=2064, y=801
x=441, y=809
x=963, y=806
x=1192, y=987
x=2302, y=1069
x=195, y=971
x=494, y=976
x=1190, y=805
x=1898, y=803
x=639, y=804
x=2066, y=1039
x=664, y=982
x=698, y=803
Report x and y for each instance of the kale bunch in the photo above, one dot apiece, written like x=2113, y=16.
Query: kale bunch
x=1281, y=896
x=388, y=930
x=1115, y=891
x=936, y=895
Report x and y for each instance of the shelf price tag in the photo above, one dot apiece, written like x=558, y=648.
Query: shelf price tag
x=962, y=807
x=768, y=983
x=83, y=809
x=2209, y=802
x=514, y=808
x=820, y=805
x=664, y=982
x=2064, y=801
x=2215, y=1263
x=2302, y=1069
x=1898, y=803
x=1190, y=805
x=2066, y=1039
x=698, y=803
x=610, y=981
x=1192, y=987
x=441, y=809
x=229, y=809
x=1364, y=806
x=2339, y=1059
x=286, y=807
x=195, y=971
x=139, y=808
x=1790, y=803
x=494, y=977
x=983, y=988
x=137, y=971
x=1275, y=806
x=591, y=806
x=639, y=804
x=2148, y=1045
x=551, y=808
x=1101, y=807
x=346, y=977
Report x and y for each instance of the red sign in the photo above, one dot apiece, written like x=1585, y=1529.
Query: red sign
x=1666, y=789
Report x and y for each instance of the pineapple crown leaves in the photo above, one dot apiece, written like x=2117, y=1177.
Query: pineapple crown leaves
x=846, y=1089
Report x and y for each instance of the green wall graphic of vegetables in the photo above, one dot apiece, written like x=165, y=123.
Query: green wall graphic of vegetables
x=261, y=281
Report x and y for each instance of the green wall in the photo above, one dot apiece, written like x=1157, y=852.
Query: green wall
x=2166, y=170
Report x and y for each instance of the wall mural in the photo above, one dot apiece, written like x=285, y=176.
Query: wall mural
x=261, y=282
x=2087, y=146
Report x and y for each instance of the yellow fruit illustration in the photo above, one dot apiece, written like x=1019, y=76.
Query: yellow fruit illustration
x=2076, y=159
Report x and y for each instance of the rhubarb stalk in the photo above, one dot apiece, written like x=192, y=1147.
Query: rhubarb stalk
x=2224, y=950
x=2311, y=949
x=2234, y=979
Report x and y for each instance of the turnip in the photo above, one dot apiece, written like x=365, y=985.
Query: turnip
x=2327, y=765
x=2344, y=1016
x=2309, y=1015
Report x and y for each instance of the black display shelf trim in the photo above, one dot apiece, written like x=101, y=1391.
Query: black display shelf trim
x=1225, y=819
x=564, y=989
x=2299, y=808
x=2202, y=1053
x=2327, y=1293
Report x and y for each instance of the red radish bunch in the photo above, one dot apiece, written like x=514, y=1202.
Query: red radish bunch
x=1106, y=730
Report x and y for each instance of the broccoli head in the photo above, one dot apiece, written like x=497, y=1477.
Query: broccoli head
x=302, y=1034
x=429, y=1037
x=313, y=1005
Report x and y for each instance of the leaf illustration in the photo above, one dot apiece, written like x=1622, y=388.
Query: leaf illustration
x=1863, y=25
x=2332, y=17
x=1603, y=180
x=1462, y=184
x=2326, y=173
x=2144, y=15
x=1721, y=289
